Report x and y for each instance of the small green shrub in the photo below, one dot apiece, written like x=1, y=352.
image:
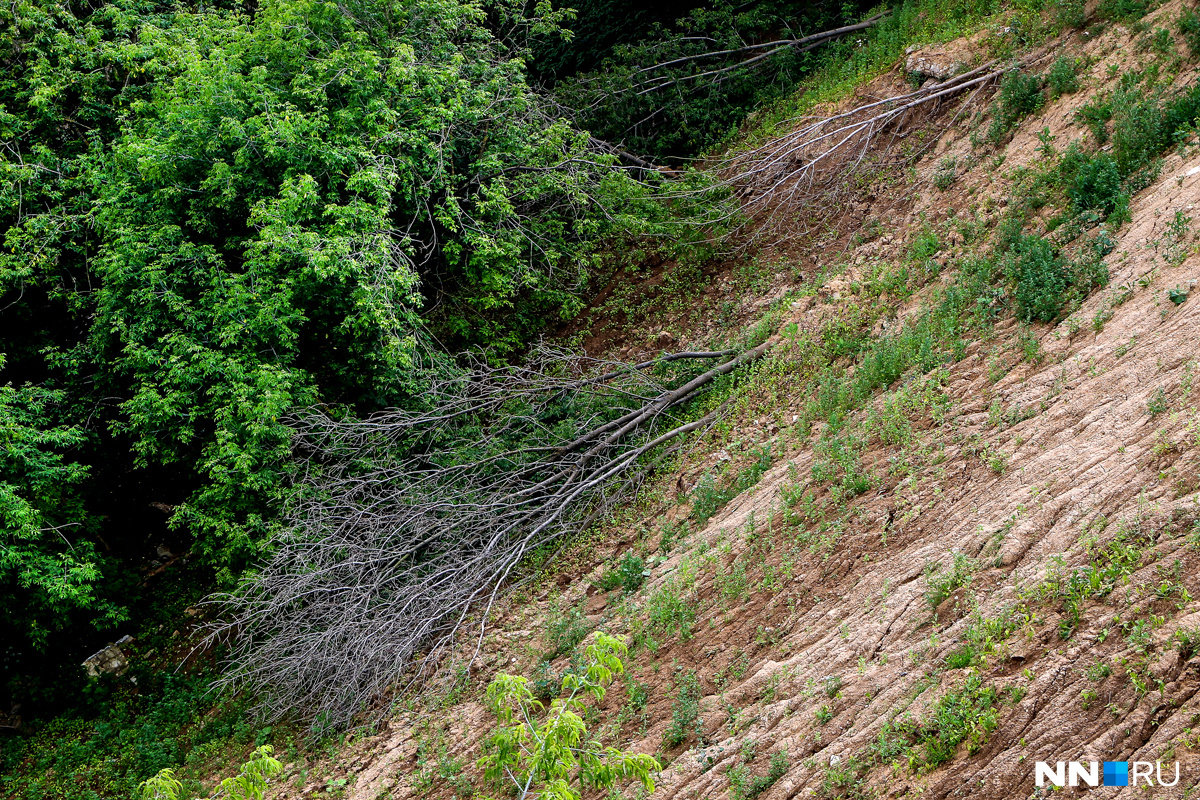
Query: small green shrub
x=1146, y=124
x=1096, y=185
x=968, y=714
x=1122, y=10
x=945, y=175
x=942, y=582
x=685, y=712
x=1187, y=641
x=545, y=683
x=565, y=629
x=1020, y=94
x=1040, y=278
x=962, y=657
x=1061, y=78
x=669, y=611
x=1095, y=115
x=708, y=497
x=746, y=786
x=545, y=758
x=1188, y=26
x=628, y=575
x=1158, y=403
x=249, y=784
x=1068, y=14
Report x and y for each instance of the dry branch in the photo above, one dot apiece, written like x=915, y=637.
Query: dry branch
x=404, y=524
x=821, y=155
x=801, y=45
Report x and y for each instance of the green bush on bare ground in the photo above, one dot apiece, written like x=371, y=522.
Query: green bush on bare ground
x=553, y=757
x=249, y=784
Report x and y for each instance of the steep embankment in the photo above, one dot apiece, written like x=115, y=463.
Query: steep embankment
x=993, y=563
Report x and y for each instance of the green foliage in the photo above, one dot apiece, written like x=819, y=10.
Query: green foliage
x=746, y=786
x=837, y=460
x=216, y=214
x=685, y=712
x=249, y=784
x=1187, y=641
x=942, y=581
x=1110, y=564
x=1062, y=77
x=945, y=176
x=1040, y=278
x=134, y=732
x=967, y=714
x=1068, y=14
x=1095, y=114
x=554, y=757
x=962, y=657
x=1122, y=10
x=708, y=497
x=1020, y=94
x=1158, y=402
x=565, y=629
x=620, y=102
x=1188, y=26
x=1096, y=185
x=628, y=574
x=48, y=565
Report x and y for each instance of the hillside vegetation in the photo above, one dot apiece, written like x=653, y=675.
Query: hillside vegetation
x=923, y=513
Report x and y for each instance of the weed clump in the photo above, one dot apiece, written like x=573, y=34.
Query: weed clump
x=1020, y=94
x=685, y=713
x=1040, y=278
x=966, y=715
x=565, y=629
x=628, y=575
x=1061, y=78
x=942, y=583
x=1122, y=10
x=1095, y=183
x=1188, y=26
x=746, y=786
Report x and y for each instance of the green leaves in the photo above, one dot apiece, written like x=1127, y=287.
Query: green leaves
x=47, y=570
x=249, y=784
x=212, y=218
x=545, y=758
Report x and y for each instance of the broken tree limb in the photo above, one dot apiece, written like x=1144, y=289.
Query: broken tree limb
x=801, y=45
x=404, y=525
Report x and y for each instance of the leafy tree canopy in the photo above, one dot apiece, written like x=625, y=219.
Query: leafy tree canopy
x=216, y=213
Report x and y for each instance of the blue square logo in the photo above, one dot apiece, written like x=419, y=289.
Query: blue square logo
x=1116, y=773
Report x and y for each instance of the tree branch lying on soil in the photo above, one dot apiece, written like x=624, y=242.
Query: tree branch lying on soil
x=405, y=523
x=822, y=154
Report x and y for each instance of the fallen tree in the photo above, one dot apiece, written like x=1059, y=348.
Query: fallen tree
x=822, y=154
x=404, y=524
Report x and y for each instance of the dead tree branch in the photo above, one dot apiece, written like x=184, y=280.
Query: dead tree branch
x=404, y=524
x=801, y=45
x=821, y=156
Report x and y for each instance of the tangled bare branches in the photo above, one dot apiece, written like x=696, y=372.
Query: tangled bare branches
x=821, y=156
x=746, y=56
x=405, y=523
